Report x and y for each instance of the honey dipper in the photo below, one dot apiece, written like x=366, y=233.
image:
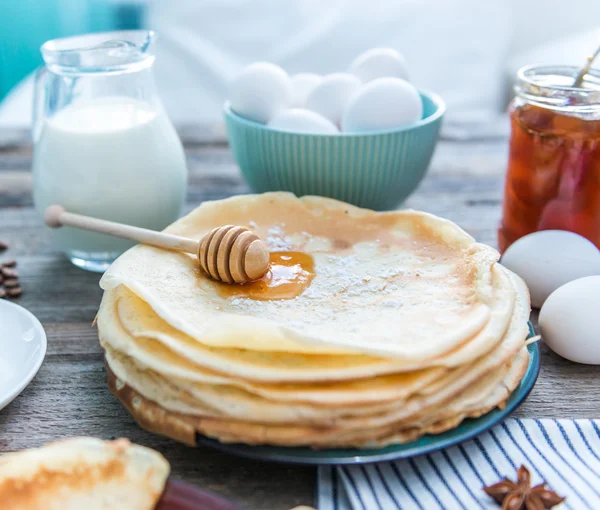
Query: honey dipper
x=230, y=253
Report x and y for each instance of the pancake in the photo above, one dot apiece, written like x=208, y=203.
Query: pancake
x=82, y=473
x=379, y=390
x=397, y=265
x=406, y=327
x=239, y=405
x=184, y=428
x=491, y=391
x=140, y=321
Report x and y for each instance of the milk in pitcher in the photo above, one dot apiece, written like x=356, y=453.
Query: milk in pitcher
x=114, y=158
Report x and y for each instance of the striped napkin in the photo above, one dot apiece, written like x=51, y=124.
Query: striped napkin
x=565, y=453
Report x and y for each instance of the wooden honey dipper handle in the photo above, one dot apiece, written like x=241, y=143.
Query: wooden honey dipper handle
x=229, y=254
x=56, y=216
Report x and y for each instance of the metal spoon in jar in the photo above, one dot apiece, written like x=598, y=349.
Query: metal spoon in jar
x=586, y=68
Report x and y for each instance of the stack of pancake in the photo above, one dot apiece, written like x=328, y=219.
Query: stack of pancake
x=407, y=327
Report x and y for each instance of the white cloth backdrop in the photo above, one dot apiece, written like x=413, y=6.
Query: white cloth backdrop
x=455, y=48
x=465, y=50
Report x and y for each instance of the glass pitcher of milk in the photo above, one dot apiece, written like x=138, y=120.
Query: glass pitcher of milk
x=103, y=146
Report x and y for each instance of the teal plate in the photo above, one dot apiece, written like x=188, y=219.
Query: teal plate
x=466, y=430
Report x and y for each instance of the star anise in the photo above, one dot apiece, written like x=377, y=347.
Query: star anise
x=520, y=495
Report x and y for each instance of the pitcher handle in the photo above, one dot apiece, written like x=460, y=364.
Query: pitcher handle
x=40, y=95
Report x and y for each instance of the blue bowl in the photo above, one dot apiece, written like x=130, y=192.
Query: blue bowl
x=376, y=170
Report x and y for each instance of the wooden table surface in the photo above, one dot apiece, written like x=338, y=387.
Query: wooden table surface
x=69, y=396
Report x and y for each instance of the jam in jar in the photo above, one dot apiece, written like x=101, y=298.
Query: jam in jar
x=553, y=178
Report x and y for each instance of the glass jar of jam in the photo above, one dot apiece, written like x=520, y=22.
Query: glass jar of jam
x=553, y=178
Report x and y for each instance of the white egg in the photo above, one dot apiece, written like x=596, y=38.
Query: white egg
x=260, y=91
x=569, y=321
x=330, y=97
x=379, y=63
x=300, y=120
x=550, y=258
x=302, y=85
x=383, y=104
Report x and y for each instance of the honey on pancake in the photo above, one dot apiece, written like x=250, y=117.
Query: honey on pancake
x=289, y=274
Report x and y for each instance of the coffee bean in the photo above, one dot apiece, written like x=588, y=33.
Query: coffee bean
x=11, y=283
x=9, y=263
x=13, y=293
x=3, y=246
x=9, y=272
x=2, y=293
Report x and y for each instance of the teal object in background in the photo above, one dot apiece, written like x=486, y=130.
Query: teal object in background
x=26, y=24
x=373, y=170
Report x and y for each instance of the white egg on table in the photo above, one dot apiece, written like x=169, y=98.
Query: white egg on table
x=260, y=91
x=569, y=321
x=330, y=97
x=302, y=85
x=300, y=120
x=550, y=258
x=379, y=63
x=384, y=103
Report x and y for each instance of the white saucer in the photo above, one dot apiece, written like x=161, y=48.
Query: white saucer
x=22, y=349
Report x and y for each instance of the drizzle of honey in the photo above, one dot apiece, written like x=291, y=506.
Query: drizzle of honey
x=289, y=274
